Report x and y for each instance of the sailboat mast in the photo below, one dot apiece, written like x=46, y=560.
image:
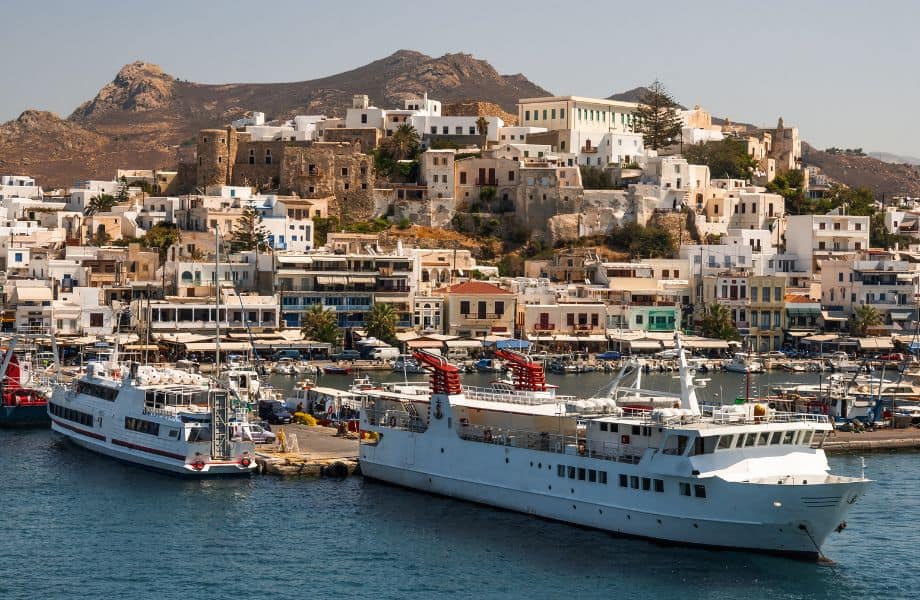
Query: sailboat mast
x=217, y=298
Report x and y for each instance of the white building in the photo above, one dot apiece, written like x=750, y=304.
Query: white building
x=21, y=186
x=825, y=237
x=890, y=286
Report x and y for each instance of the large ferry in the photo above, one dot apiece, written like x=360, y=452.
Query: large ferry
x=744, y=477
x=165, y=419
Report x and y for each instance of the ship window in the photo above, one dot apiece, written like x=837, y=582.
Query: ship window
x=99, y=391
x=571, y=472
x=726, y=441
x=614, y=427
x=173, y=432
x=603, y=426
x=806, y=437
x=602, y=477
x=659, y=485
x=623, y=480
x=788, y=437
x=581, y=474
x=749, y=439
x=777, y=436
x=560, y=470
x=592, y=475
x=684, y=489
x=634, y=482
x=764, y=438
x=71, y=415
x=635, y=430
x=699, y=491
x=646, y=484
x=142, y=426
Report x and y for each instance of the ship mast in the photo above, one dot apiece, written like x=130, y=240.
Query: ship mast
x=687, y=389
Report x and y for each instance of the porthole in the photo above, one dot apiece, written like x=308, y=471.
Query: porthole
x=551, y=486
x=573, y=490
x=695, y=526
x=539, y=465
x=574, y=507
x=659, y=521
x=442, y=450
x=506, y=460
x=531, y=463
x=628, y=517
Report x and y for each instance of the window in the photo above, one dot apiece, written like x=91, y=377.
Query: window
x=659, y=486
x=592, y=476
x=560, y=470
x=788, y=437
x=252, y=156
x=364, y=117
x=634, y=482
x=602, y=477
x=445, y=129
x=571, y=472
x=725, y=442
x=646, y=484
x=95, y=319
x=684, y=489
x=561, y=113
x=462, y=177
x=99, y=391
x=753, y=294
x=268, y=156
x=472, y=131
x=623, y=480
x=510, y=175
x=581, y=474
x=464, y=307
x=777, y=435
x=142, y=426
x=526, y=115
x=638, y=319
x=71, y=415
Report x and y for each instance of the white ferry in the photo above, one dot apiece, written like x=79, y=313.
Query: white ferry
x=743, y=477
x=165, y=419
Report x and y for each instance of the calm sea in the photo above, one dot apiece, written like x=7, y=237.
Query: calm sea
x=77, y=525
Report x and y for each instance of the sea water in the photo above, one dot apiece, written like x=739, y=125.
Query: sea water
x=79, y=525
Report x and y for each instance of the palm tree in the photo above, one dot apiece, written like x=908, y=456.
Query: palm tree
x=404, y=143
x=320, y=325
x=381, y=322
x=864, y=318
x=100, y=204
x=717, y=323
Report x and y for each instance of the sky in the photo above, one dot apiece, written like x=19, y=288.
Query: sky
x=844, y=72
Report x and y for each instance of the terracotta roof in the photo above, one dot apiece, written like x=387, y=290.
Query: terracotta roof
x=473, y=287
x=799, y=298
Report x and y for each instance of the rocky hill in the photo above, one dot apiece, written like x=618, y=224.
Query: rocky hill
x=146, y=118
x=883, y=178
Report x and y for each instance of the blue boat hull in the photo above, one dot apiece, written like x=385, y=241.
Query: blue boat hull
x=33, y=415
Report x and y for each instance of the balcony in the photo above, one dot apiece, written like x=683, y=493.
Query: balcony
x=543, y=327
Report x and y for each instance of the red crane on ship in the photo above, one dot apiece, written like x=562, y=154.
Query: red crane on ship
x=526, y=374
x=445, y=377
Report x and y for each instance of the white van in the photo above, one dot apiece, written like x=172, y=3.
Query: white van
x=384, y=353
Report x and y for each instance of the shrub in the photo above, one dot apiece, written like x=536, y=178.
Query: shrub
x=302, y=418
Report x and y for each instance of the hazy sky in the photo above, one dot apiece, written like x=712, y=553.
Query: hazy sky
x=844, y=72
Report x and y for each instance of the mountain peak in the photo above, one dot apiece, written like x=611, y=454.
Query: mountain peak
x=137, y=87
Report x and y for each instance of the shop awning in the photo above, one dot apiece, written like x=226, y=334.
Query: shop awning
x=900, y=316
x=362, y=279
x=875, y=343
x=645, y=345
x=424, y=344
x=821, y=338
x=142, y=347
x=463, y=344
x=212, y=347
x=706, y=344
x=33, y=294
x=331, y=280
x=833, y=316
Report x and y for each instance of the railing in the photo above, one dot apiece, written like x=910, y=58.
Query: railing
x=730, y=414
x=513, y=396
x=395, y=419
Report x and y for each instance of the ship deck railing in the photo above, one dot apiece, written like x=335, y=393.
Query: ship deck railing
x=551, y=442
x=395, y=418
x=514, y=396
x=720, y=415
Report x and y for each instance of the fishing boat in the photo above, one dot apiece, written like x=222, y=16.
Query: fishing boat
x=742, y=477
x=21, y=405
x=404, y=363
x=743, y=362
x=336, y=370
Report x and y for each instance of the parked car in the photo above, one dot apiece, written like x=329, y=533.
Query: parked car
x=346, y=355
x=609, y=355
x=255, y=432
x=274, y=412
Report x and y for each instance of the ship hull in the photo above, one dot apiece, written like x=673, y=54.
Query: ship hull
x=734, y=516
x=34, y=415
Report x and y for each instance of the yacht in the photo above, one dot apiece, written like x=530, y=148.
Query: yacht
x=404, y=363
x=743, y=362
x=742, y=476
x=165, y=419
x=285, y=366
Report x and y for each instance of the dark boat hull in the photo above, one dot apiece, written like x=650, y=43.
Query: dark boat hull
x=24, y=415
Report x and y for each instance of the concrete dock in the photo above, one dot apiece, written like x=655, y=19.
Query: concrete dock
x=841, y=442
x=312, y=452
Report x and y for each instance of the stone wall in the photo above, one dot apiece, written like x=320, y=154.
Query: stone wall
x=368, y=137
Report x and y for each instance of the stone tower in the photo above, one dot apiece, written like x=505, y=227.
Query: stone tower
x=216, y=154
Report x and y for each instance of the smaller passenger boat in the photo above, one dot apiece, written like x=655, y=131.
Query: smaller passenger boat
x=336, y=370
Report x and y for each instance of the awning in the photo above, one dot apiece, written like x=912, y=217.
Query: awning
x=212, y=347
x=463, y=344
x=424, y=344
x=362, y=279
x=706, y=344
x=33, y=294
x=142, y=347
x=900, y=316
x=513, y=344
x=875, y=343
x=798, y=334
x=645, y=345
x=821, y=338
x=802, y=310
x=330, y=280
x=833, y=316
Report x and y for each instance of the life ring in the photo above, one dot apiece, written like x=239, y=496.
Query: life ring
x=198, y=465
x=624, y=439
x=487, y=435
x=582, y=450
x=392, y=421
x=245, y=462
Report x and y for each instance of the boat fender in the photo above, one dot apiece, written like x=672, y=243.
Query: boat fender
x=624, y=439
x=245, y=462
x=198, y=465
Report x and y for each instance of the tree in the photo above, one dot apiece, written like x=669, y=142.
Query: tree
x=482, y=126
x=726, y=158
x=320, y=325
x=123, y=189
x=161, y=237
x=249, y=233
x=864, y=318
x=717, y=323
x=791, y=186
x=659, y=120
x=643, y=242
x=403, y=144
x=381, y=322
x=100, y=204
x=100, y=238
